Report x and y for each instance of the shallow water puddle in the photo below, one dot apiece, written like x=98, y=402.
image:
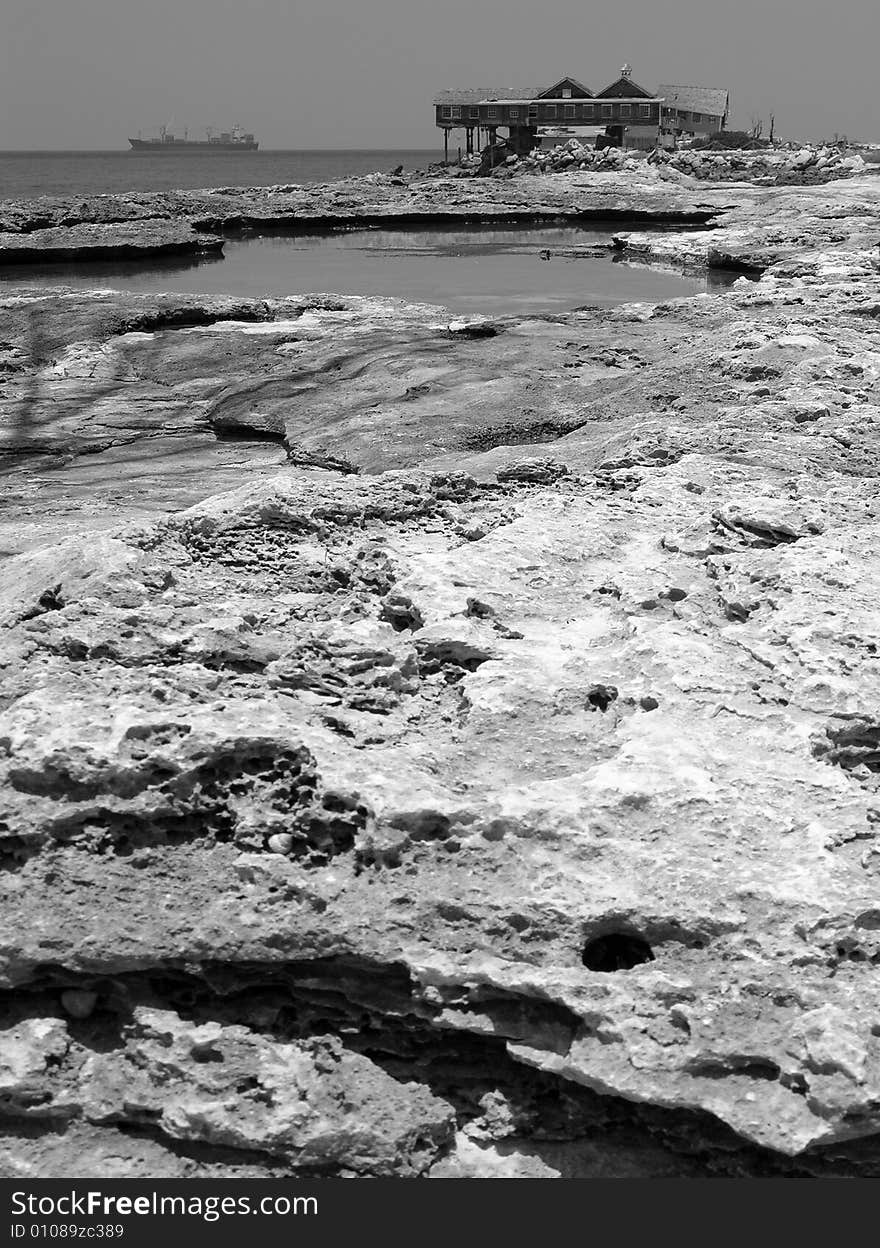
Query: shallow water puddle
x=491, y=271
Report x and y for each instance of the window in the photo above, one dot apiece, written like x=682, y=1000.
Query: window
x=566, y=93
x=625, y=110
x=473, y=112
x=606, y=110
x=590, y=109
x=645, y=110
x=445, y=112
x=533, y=112
x=569, y=110
x=456, y=113
x=514, y=114
x=698, y=117
x=549, y=110
x=493, y=114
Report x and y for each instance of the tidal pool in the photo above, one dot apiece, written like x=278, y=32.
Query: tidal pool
x=510, y=271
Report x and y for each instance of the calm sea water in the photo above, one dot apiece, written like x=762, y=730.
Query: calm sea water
x=25, y=175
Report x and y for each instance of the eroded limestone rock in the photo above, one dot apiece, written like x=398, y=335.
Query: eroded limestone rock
x=540, y=777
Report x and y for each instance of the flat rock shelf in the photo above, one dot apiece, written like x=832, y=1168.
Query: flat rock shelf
x=447, y=745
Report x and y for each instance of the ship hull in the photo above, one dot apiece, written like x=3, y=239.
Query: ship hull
x=181, y=147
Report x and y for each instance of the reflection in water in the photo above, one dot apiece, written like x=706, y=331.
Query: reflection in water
x=715, y=279
x=125, y=274
x=514, y=270
x=720, y=279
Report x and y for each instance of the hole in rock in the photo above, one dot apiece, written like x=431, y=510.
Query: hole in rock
x=853, y=745
x=725, y=1067
x=600, y=697
x=205, y=1053
x=422, y=825
x=51, y=599
x=401, y=613
x=795, y=1083
x=241, y=432
x=616, y=951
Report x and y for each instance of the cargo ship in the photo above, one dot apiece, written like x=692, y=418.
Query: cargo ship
x=234, y=140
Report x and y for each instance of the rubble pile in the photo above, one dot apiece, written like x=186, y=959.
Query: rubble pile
x=770, y=167
x=567, y=156
x=783, y=166
x=575, y=154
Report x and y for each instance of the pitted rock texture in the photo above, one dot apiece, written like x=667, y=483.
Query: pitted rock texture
x=523, y=786
x=311, y=1103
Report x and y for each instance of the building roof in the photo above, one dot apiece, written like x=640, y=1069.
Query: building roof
x=711, y=100
x=577, y=89
x=483, y=95
x=625, y=88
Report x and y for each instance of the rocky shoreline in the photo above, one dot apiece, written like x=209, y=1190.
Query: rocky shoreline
x=56, y=228
x=446, y=747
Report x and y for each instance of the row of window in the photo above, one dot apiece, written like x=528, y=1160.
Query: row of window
x=547, y=111
x=682, y=114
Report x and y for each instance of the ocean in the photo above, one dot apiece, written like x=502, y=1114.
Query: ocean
x=26, y=175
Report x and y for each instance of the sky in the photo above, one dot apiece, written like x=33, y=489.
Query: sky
x=83, y=74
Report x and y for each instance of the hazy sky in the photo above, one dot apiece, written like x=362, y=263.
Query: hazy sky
x=362, y=73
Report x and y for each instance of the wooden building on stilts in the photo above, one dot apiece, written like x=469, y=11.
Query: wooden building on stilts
x=623, y=114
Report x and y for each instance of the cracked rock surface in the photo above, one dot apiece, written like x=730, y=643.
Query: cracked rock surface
x=427, y=752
